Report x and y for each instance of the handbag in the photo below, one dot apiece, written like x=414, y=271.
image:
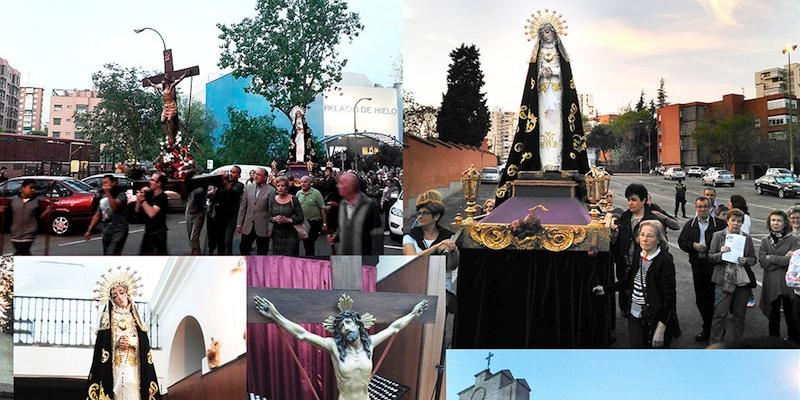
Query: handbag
x=745, y=277
x=302, y=229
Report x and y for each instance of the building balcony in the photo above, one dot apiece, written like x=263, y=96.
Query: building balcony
x=50, y=321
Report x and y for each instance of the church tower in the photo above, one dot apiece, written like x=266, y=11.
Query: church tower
x=500, y=385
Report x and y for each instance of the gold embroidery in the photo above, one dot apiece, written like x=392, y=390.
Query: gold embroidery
x=133, y=361
x=573, y=108
x=150, y=357
x=518, y=147
x=579, y=142
x=117, y=360
x=502, y=191
x=153, y=391
x=572, y=83
x=548, y=140
x=531, y=125
x=555, y=85
x=96, y=392
x=523, y=112
x=105, y=356
x=512, y=170
x=527, y=156
x=572, y=155
x=533, y=83
x=552, y=238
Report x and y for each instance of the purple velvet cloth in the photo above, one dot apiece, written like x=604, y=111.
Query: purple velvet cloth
x=562, y=211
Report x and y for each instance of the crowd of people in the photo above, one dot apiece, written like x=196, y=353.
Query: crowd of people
x=722, y=256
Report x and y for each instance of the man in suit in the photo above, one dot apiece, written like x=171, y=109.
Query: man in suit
x=254, y=216
x=695, y=239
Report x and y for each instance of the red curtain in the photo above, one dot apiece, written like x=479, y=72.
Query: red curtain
x=271, y=369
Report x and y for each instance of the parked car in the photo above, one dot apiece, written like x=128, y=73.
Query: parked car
x=490, y=175
x=779, y=171
x=674, y=173
x=695, y=171
x=712, y=169
x=719, y=177
x=396, y=219
x=96, y=181
x=781, y=185
x=72, y=201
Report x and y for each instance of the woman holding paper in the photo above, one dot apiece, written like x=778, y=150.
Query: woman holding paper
x=773, y=255
x=732, y=254
x=651, y=284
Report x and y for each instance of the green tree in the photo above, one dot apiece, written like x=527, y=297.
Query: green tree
x=289, y=49
x=662, y=95
x=196, y=127
x=126, y=124
x=633, y=135
x=640, y=105
x=38, y=133
x=6, y=294
x=731, y=138
x=418, y=119
x=391, y=156
x=464, y=116
x=252, y=140
x=603, y=138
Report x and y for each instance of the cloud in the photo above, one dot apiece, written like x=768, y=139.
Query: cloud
x=627, y=41
x=722, y=10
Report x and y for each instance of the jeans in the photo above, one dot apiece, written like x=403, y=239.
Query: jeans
x=114, y=239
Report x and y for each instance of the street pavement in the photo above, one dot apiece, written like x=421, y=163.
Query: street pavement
x=663, y=193
x=73, y=244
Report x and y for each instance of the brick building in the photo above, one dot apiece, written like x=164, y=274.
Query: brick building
x=64, y=106
x=30, y=110
x=677, y=122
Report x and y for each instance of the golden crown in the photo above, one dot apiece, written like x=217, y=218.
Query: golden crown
x=541, y=18
x=345, y=304
x=116, y=277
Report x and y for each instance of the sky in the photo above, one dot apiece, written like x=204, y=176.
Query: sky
x=702, y=48
x=76, y=277
x=58, y=45
x=637, y=374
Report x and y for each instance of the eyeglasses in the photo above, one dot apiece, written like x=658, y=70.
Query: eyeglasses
x=424, y=213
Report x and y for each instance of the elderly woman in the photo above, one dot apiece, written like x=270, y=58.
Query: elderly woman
x=794, y=220
x=651, y=283
x=733, y=280
x=286, y=213
x=773, y=255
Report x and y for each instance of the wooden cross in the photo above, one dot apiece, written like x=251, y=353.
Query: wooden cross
x=489, y=360
x=313, y=306
x=169, y=71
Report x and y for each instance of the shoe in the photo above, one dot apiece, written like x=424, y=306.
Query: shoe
x=752, y=302
x=701, y=337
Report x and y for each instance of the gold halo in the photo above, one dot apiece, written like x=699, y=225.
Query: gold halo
x=346, y=303
x=114, y=277
x=547, y=17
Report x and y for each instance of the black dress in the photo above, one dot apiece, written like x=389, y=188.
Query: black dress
x=284, y=236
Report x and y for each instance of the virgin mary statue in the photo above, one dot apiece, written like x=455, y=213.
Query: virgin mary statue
x=301, y=145
x=549, y=134
x=122, y=365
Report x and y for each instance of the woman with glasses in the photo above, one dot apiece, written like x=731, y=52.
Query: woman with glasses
x=794, y=220
x=651, y=283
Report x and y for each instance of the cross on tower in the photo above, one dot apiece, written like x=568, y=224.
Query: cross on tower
x=489, y=360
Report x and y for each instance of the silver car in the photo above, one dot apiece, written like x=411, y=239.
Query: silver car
x=490, y=175
x=719, y=177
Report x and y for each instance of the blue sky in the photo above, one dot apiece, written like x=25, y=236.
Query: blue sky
x=58, y=45
x=637, y=375
x=703, y=48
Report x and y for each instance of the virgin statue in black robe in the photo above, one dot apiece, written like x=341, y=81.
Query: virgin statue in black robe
x=122, y=364
x=301, y=143
x=549, y=135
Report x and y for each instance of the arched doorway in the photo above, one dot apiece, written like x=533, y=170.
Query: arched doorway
x=187, y=350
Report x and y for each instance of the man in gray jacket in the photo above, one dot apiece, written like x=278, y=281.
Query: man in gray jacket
x=26, y=209
x=254, y=216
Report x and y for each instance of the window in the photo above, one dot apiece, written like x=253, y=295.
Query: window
x=80, y=135
x=56, y=121
x=773, y=104
x=757, y=123
x=56, y=134
x=57, y=107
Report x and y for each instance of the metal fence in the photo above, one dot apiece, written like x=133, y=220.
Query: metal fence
x=66, y=322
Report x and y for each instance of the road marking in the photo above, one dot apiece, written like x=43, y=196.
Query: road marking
x=95, y=238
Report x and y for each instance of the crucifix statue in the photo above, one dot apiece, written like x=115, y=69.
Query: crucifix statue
x=350, y=347
x=166, y=85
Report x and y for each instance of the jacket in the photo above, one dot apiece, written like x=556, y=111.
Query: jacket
x=775, y=269
x=715, y=256
x=690, y=234
x=254, y=210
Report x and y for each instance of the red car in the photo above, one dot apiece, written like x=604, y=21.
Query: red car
x=72, y=201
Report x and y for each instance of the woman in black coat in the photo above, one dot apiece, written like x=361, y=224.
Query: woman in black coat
x=651, y=283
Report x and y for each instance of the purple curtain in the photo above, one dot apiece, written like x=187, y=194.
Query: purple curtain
x=271, y=370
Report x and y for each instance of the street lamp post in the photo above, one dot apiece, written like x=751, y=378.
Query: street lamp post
x=355, y=108
x=788, y=51
x=157, y=33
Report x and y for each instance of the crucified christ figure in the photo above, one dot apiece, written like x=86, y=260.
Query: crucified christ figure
x=169, y=114
x=351, y=346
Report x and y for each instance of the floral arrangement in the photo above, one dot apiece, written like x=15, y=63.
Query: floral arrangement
x=174, y=159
